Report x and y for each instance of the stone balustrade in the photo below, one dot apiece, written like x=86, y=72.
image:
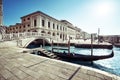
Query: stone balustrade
x=16, y=36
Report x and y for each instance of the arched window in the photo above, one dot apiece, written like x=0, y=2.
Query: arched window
x=35, y=22
x=53, y=26
x=53, y=34
x=49, y=32
x=48, y=24
x=43, y=23
x=60, y=36
x=57, y=27
x=63, y=37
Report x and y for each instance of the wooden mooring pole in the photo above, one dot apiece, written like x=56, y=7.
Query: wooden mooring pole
x=69, y=46
x=43, y=43
x=52, y=45
x=91, y=48
x=98, y=35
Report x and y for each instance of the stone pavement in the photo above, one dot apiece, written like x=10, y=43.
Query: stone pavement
x=15, y=65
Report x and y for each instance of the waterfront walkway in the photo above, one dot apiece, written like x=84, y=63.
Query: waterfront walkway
x=15, y=65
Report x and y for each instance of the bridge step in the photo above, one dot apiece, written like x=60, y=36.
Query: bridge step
x=51, y=55
x=43, y=52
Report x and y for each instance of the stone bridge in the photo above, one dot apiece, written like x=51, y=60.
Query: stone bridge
x=26, y=38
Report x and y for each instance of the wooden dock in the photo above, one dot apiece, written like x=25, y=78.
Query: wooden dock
x=16, y=65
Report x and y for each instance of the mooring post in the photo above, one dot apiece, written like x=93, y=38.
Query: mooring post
x=91, y=48
x=43, y=43
x=98, y=35
x=69, y=45
x=52, y=46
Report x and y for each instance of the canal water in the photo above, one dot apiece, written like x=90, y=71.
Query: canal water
x=111, y=65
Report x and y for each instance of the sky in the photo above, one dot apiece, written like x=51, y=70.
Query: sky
x=88, y=15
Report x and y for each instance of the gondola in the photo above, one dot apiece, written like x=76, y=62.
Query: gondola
x=81, y=57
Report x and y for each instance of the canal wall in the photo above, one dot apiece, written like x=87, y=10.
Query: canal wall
x=104, y=46
x=117, y=44
x=16, y=65
x=85, y=45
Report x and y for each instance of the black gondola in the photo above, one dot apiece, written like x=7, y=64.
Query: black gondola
x=81, y=57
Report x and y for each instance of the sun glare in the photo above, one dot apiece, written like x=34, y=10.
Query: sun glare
x=104, y=9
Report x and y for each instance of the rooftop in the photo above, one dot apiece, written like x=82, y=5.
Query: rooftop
x=39, y=12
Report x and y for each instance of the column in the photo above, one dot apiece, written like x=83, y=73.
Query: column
x=38, y=21
x=31, y=21
x=46, y=23
x=51, y=25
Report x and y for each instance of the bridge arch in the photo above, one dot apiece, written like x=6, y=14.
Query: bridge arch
x=37, y=42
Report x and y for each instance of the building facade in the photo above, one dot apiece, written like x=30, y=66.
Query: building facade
x=1, y=13
x=45, y=24
x=110, y=38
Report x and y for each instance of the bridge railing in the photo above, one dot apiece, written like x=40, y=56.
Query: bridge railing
x=16, y=36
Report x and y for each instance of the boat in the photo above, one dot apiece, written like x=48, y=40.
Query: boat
x=81, y=57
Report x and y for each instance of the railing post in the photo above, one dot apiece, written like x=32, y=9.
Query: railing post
x=10, y=36
x=18, y=35
x=25, y=35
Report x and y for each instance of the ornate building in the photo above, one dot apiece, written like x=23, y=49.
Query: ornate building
x=43, y=23
x=110, y=38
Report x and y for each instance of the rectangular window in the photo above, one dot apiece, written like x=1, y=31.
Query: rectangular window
x=57, y=27
x=48, y=24
x=20, y=27
x=43, y=23
x=60, y=27
x=65, y=29
x=53, y=26
x=28, y=18
x=35, y=22
x=28, y=25
x=23, y=19
x=24, y=26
